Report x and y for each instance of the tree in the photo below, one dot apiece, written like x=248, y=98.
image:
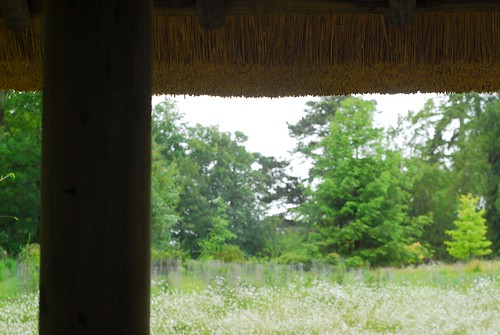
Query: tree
x=315, y=124
x=219, y=234
x=469, y=237
x=165, y=191
x=20, y=153
x=449, y=145
x=489, y=132
x=217, y=167
x=203, y=178
x=168, y=138
x=358, y=196
x=431, y=196
x=2, y=178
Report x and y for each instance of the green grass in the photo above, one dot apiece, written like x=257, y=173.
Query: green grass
x=9, y=283
x=441, y=275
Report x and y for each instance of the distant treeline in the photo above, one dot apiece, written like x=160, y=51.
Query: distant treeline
x=373, y=196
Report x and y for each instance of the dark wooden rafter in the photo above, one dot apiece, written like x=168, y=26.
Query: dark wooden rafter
x=312, y=7
x=211, y=13
x=15, y=13
x=402, y=12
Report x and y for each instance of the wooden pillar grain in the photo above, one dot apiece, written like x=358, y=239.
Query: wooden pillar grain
x=95, y=230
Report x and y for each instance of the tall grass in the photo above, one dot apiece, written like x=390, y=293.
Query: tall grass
x=18, y=277
x=9, y=283
x=196, y=275
x=21, y=277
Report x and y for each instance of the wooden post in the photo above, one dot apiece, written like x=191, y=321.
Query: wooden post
x=96, y=165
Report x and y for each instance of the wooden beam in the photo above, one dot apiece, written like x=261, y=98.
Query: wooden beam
x=310, y=7
x=96, y=165
x=211, y=13
x=15, y=14
x=402, y=12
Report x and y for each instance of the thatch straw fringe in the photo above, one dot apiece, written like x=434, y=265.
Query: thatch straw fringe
x=276, y=81
x=281, y=80
x=23, y=45
x=330, y=39
x=303, y=54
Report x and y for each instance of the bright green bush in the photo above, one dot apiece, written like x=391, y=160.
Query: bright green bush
x=469, y=237
x=231, y=253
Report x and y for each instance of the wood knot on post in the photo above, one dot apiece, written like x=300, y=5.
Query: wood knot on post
x=211, y=13
x=15, y=13
x=402, y=12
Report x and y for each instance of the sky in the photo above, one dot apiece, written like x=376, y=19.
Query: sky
x=264, y=120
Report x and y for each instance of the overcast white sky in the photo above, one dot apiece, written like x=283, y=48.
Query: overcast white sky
x=264, y=120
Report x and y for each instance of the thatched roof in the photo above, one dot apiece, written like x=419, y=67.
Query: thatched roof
x=299, y=53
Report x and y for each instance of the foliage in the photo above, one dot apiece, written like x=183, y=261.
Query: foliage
x=2, y=178
x=218, y=235
x=358, y=199
x=298, y=247
x=432, y=199
x=211, y=189
x=20, y=147
x=489, y=134
x=9, y=175
x=451, y=145
x=469, y=237
x=371, y=197
x=315, y=124
x=230, y=253
x=165, y=184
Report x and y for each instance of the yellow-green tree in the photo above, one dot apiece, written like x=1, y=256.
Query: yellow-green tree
x=469, y=237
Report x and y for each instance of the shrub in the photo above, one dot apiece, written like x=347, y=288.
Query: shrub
x=297, y=257
x=354, y=262
x=333, y=258
x=231, y=253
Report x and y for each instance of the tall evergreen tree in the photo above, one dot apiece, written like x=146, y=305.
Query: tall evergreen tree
x=358, y=198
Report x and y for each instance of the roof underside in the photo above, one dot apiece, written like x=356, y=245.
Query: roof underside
x=300, y=54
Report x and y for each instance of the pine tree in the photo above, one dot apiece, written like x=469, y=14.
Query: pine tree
x=358, y=196
x=469, y=238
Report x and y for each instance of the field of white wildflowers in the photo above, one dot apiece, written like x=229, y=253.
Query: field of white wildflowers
x=315, y=308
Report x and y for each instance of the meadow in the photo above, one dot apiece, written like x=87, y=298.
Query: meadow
x=217, y=298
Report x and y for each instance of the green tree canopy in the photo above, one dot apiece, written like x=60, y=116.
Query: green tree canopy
x=452, y=149
x=358, y=198
x=213, y=180
x=20, y=147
